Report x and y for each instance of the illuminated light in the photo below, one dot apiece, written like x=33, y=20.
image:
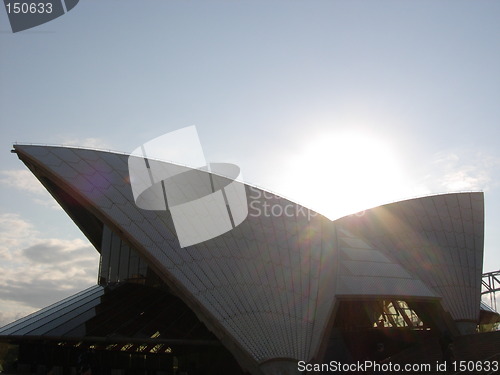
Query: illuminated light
x=155, y=335
x=126, y=347
x=156, y=348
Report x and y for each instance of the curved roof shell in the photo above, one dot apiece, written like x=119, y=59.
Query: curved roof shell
x=439, y=239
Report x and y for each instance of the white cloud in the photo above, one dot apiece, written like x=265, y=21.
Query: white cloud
x=464, y=171
x=49, y=202
x=22, y=179
x=466, y=178
x=15, y=234
x=37, y=271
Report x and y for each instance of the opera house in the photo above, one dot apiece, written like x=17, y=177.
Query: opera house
x=272, y=291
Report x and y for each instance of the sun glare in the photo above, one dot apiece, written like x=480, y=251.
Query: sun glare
x=341, y=174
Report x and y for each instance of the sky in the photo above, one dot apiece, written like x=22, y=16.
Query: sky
x=337, y=105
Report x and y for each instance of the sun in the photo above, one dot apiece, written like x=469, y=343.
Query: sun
x=343, y=173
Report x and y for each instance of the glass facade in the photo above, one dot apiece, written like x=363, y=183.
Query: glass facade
x=120, y=262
